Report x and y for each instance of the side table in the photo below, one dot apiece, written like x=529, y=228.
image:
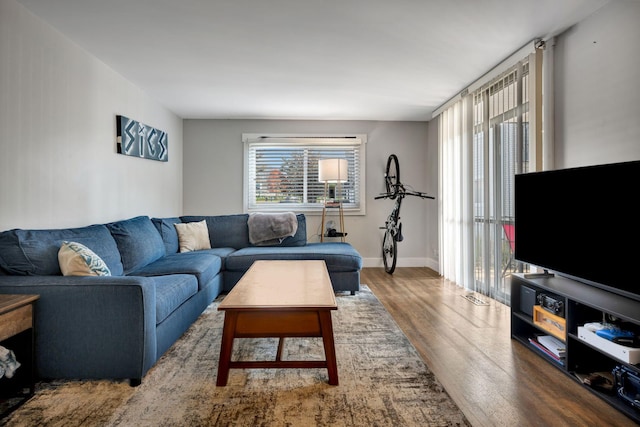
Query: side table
x=340, y=233
x=17, y=320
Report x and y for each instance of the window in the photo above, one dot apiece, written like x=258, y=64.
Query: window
x=281, y=172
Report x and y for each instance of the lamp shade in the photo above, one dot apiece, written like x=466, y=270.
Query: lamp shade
x=333, y=170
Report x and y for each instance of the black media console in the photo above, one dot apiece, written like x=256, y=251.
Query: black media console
x=581, y=304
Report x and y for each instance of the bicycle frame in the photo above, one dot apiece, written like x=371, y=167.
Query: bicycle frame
x=393, y=220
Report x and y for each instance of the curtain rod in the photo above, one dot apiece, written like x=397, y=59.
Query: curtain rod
x=491, y=74
x=252, y=137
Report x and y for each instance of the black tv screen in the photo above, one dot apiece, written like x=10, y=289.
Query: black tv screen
x=582, y=223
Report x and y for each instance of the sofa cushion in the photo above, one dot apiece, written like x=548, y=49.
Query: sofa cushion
x=223, y=253
x=168, y=233
x=171, y=292
x=300, y=238
x=204, y=266
x=76, y=259
x=138, y=241
x=35, y=252
x=225, y=231
x=339, y=256
x=193, y=236
x=232, y=231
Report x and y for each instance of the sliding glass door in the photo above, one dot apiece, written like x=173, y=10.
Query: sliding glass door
x=500, y=147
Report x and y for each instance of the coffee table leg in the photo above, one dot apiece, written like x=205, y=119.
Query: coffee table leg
x=280, y=347
x=329, y=346
x=226, y=347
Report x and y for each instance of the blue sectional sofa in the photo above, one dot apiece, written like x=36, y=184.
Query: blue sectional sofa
x=118, y=326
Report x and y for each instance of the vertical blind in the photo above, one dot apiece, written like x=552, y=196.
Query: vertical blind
x=500, y=135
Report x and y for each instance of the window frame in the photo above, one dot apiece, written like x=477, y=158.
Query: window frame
x=328, y=141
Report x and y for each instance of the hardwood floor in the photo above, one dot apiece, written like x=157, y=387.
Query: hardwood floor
x=494, y=380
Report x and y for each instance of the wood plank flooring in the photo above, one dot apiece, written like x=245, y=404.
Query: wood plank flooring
x=494, y=380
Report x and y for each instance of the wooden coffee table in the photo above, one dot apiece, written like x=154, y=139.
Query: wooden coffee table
x=279, y=299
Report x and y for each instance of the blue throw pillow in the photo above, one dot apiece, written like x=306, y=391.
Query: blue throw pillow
x=138, y=241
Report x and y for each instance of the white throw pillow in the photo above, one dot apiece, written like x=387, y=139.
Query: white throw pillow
x=76, y=259
x=193, y=236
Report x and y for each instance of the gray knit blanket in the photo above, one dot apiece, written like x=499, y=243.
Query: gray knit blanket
x=271, y=228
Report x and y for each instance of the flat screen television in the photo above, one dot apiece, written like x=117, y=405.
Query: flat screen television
x=582, y=223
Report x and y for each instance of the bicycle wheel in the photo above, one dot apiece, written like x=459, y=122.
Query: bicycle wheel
x=389, y=252
x=392, y=176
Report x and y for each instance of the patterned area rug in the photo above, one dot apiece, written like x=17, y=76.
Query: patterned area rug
x=383, y=382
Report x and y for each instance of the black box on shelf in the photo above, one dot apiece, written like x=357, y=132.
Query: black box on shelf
x=552, y=303
x=527, y=299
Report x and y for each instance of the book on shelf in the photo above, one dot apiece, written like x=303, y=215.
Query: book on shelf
x=534, y=342
x=553, y=344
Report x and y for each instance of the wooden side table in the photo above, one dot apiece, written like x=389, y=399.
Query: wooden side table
x=17, y=320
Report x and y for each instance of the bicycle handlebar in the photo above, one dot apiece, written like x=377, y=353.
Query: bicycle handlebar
x=404, y=193
x=423, y=195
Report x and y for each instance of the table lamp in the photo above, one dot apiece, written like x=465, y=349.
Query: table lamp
x=332, y=171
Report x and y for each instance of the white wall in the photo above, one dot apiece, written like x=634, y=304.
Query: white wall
x=213, y=176
x=597, y=88
x=58, y=161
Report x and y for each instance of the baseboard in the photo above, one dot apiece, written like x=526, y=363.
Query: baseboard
x=433, y=264
x=403, y=262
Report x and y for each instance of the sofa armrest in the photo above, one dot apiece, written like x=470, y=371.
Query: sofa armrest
x=91, y=327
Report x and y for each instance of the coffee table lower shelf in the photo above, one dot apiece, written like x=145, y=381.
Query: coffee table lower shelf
x=266, y=323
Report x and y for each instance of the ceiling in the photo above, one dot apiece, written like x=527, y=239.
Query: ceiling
x=306, y=59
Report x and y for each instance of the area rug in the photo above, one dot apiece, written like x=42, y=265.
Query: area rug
x=383, y=382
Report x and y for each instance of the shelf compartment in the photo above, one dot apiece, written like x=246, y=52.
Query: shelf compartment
x=539, y=348
x=625, y=354
x=584, y=358
x=614, y=400
x=555, y=325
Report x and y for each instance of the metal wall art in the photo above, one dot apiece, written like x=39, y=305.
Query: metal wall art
x=139, y=140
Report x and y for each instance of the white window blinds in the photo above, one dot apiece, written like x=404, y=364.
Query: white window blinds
x=281, y=173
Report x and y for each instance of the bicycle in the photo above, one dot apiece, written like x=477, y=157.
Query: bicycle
x=392, y=226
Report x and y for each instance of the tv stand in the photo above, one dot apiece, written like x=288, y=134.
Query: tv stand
x=582, y=304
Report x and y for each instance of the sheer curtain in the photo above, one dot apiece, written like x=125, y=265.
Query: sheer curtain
x=455, y=193
x=491, y=131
